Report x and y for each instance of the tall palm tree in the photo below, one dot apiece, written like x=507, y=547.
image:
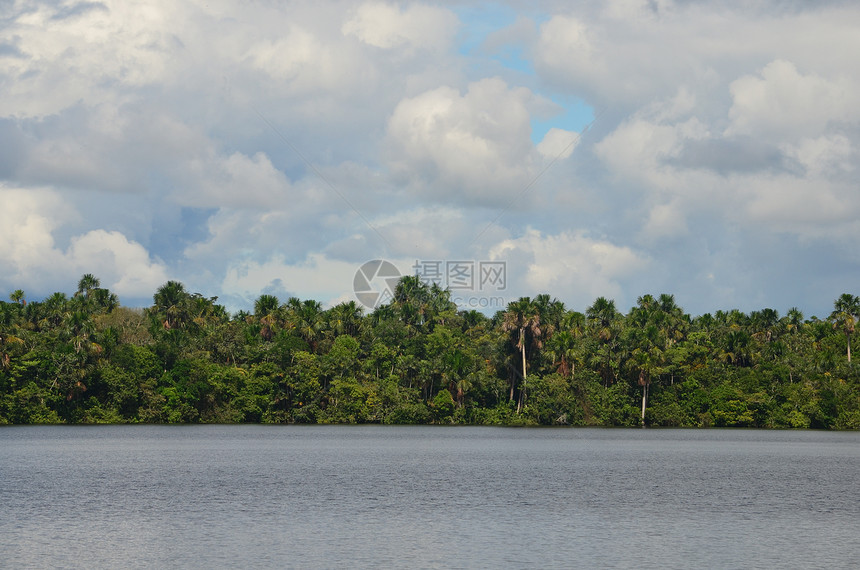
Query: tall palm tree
x=412, y=299
x=551, y=312
x=795, y=319
x=17, y=296
x=6, y=340
x=344, y=318
x=602, y=316
x=265, y=311
x=171, y=303
x=55, y=309
x=522, y=321
x=79, y=328
x=87, y=283
x=306, y=318
x=104, y=299
x=846, y=310
x=561, y=349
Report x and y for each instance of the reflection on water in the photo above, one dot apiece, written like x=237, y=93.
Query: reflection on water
x=338, y=496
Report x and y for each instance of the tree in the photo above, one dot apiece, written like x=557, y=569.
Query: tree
x=846, y=310
x=87, y=283
x=795, y=319
x=344, y=318
x=103, y=299
x=54, y=309
x=306, y=318
x=561, y=349
x=522, y=322
x=265, y=311
x=6, y=340
x=17, y=296
x=602, y=316
x=171, y=305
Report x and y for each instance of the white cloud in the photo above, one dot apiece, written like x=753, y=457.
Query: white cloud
x=30, y=256
x=317, y=277
x=565, y=46
x=782, y=102
x=640, y=148
x=235, y=181
x=558, y=143
x=825, y=155
x=569, y=265
x=123, y=266
x=410, y=27
x=157, y=131
x=475, y=146
x=72, y=59
x=305, y=64
x=665, y=221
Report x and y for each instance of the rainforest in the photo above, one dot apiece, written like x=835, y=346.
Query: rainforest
x=85, y=359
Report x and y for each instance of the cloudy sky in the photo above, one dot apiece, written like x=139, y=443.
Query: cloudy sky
x=597, y=148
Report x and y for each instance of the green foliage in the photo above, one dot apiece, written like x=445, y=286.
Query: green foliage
x=442, y=407
x=82, y=358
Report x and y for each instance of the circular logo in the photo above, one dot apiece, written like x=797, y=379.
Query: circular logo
x=374, y=283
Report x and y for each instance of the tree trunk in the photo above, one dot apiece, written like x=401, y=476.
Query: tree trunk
x=644, y=398
x=523, y=383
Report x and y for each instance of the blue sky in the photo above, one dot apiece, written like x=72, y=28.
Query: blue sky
x=275, y=148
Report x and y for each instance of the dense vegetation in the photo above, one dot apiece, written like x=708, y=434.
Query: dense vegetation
x=85, y=359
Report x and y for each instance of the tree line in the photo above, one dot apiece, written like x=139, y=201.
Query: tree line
x=85, y=358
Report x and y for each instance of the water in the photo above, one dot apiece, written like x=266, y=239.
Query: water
x=425, y=497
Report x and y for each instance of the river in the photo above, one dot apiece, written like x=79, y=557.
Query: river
x=426, y=497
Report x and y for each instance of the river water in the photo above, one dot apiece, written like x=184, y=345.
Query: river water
x=426, y=497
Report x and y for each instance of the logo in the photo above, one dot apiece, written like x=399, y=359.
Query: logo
x=374, y=283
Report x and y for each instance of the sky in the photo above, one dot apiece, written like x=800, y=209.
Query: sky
x=613, y=148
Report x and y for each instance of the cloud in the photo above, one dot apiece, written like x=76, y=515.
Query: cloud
x=571, y=265
x=224, y=144
x=782, y=102
x=474, y=145
x=30, y=254
x=824, y=156
x=235, y=181
x=124, y=266
x=404, y=28
x=558, y=143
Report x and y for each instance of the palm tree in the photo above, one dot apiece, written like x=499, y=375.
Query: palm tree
x=795, y=319
x=104, y=299
x=412, y=300
x=265, y=311
x=522, y=321
x=6, y=340
x=344, y=318
x=79, y=328
x=17, y=296
x=55, y=309
x=551, y=312
x=644, y=360
x=561, y=349
x=602, y=316
x=736, y=348
x=87, y=283
x=846, y=310
x=306, y=318
x=171, y=303
x=265, y=305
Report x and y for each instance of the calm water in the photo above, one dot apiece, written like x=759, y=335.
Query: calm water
x=424, y=497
